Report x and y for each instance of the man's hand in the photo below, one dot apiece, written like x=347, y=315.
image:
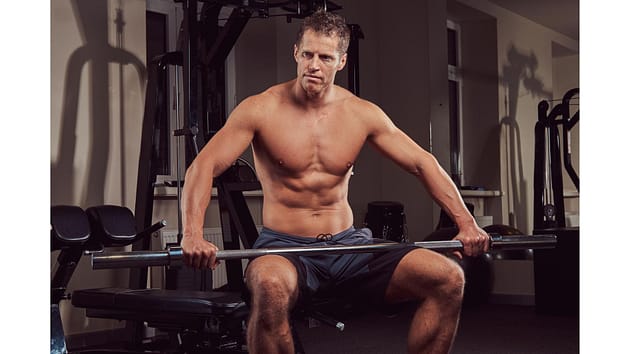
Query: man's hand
x=199, y=253
x=475, y=240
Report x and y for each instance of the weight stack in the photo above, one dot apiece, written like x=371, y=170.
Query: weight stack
x=386, y=220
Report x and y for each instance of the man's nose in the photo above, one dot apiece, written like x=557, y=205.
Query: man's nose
x=314, y=63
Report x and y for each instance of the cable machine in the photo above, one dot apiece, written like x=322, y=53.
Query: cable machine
x=557, y=271
x=550, y=154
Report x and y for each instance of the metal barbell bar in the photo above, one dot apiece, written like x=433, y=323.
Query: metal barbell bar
x=175, y=255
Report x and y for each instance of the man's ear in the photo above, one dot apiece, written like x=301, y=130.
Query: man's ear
x=295, y=52
x=342, y=62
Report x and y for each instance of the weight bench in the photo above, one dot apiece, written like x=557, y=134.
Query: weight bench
x=69, y=234
x=194, y=321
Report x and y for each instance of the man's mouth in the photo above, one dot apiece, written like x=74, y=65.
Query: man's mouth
x=312, y=77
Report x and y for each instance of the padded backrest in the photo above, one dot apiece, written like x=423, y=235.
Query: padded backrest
x=112, y=225
x=69, y=226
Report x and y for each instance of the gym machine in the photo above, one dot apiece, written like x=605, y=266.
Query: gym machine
x=548, y=160
x=556, y=272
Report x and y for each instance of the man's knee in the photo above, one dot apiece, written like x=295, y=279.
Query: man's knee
x=453, y=281
x=272, y=282
x=424, y=274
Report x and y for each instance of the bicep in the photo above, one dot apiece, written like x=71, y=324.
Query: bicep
x=399, y=147
x=227, y=144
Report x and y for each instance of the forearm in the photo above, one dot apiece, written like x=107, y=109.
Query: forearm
x=445, y=192
x=195, y=199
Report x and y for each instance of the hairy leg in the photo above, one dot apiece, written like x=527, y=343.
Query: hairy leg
x=437, y=283
x=272, y=282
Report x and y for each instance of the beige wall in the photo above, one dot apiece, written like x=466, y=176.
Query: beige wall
x=97, y=103
x=525, y=71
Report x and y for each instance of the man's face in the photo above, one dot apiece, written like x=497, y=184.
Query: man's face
x=318, y=60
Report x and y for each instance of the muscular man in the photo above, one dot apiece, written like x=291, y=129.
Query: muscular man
x=306, y=135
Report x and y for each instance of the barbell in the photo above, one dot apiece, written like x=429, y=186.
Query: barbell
x=174, y=255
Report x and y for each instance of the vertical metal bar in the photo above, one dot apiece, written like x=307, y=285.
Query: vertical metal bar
x=567, y=123
x=234, y=269
x=191, y=78
x=539, y=164
x=556, y=174
x=177, y=159
x=353, y=58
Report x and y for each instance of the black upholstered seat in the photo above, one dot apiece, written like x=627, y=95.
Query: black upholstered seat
x=214, y=316
x=158, y=302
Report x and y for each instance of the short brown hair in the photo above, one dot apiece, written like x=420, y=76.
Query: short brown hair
x=329, y=24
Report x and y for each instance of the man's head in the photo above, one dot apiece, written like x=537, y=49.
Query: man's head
x=320, y=51
x=328, y=24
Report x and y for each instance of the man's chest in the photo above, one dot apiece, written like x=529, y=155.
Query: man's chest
x=328, y=144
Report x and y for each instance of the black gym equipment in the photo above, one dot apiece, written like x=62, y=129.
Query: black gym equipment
x=521, y=254
x=387, y=220
x=188, y=321
x=69, y=234
x=556, y=272
x=548, y=161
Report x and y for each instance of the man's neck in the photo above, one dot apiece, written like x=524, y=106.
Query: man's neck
x=315, y=99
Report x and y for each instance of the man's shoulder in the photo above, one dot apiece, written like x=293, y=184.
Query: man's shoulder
x=271, y=96
x=356, y=103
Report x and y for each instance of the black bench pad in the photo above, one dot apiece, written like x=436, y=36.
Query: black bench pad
x=159, y=301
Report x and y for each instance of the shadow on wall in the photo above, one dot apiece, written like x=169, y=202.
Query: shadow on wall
x=92, y=20
x=521, y=67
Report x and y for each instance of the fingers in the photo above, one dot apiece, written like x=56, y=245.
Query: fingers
x=200, y=255
x=475, y=244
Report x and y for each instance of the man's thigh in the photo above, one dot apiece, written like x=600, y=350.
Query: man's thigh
x=418, y=273
x=370, y=276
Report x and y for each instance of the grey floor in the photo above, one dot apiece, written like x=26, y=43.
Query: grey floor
x=485, y=329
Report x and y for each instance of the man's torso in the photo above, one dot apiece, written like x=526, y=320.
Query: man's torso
x=304, y=158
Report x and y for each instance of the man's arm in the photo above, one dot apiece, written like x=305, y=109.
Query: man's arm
x=398, y=146
x=216, y=156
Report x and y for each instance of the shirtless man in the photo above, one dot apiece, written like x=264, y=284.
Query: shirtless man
x=306, y=135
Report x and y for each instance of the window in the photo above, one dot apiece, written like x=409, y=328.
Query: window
x=455, y=99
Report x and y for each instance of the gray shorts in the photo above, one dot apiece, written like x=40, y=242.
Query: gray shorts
x=359, y=277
